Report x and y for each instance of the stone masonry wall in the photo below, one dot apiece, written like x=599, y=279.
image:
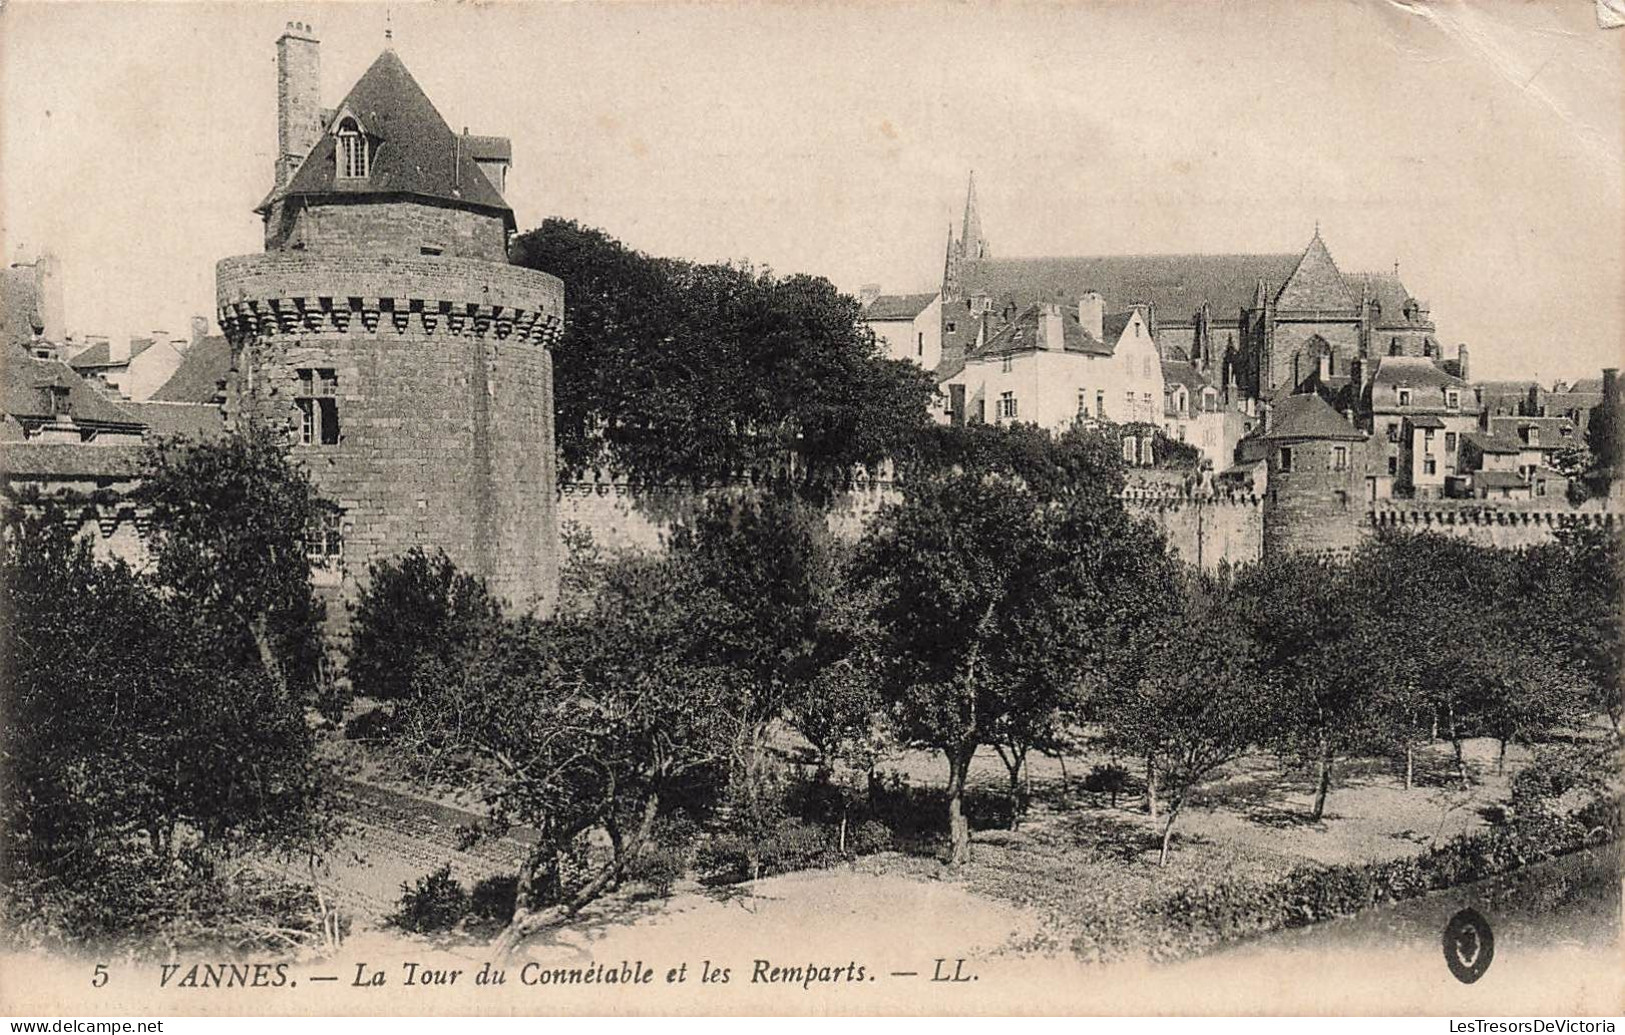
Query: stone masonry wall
x=377, y=228
x=444, y=398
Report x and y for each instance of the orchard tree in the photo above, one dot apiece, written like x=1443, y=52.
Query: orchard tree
x=1000, y=575
x=594, y=723
x=1314, y=657
x=1194, y=707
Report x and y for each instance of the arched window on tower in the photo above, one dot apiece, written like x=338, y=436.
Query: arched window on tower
x=352, y=154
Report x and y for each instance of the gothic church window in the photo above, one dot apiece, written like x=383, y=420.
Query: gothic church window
x=352, y=156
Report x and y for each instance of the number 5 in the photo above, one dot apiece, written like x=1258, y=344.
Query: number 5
x=101, y=976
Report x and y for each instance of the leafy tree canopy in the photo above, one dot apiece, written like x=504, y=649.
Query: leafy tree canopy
x=678, y=371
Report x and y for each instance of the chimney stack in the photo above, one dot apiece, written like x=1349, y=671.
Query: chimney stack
x=1092, y=314
x=1053, y=333
x=1461, y=362
x=298, y=98
x=200, y=328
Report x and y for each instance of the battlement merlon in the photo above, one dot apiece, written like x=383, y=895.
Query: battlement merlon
x=296, y=292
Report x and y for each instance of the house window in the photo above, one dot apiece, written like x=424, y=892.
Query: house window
x=1147, y=455
x=951, y=327
x=1393, y=431
x=1145, y=400
x=1100, y=404
x=1430, y=466
x=55, y=401
x=1340, y=458
x=324, y=540
x=352, y=151
x=1427, y=440
x=919, y=344
x=1083, y=402
x=1452, y=399
x=1450, y=442
x=1393, y=465
x=1128, y=403
x=1404, y=397
x=1009, y=364
x=317, y=399
x=1286, y=458
x=1131, y=448
x=1007, y=405
x=1534, y=436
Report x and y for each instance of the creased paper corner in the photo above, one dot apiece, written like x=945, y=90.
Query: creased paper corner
x=1610, y=13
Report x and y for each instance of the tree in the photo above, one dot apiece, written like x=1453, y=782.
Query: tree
x=1000, y=575
x=140, y=733
x=1314, y=658
x=230, y=519
x=410, y=609
x=1194, y=709
x=595, y=722
x=674, y=371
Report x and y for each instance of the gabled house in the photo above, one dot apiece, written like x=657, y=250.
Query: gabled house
x=1053, y=364
x=908, y=326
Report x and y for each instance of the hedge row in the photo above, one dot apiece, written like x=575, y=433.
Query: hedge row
x=1193, y=921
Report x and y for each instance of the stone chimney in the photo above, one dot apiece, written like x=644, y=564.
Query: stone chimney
x=1461, y=362
x=298, y=98
x=200, y=329
x=1052, y=335
x=1092, y=314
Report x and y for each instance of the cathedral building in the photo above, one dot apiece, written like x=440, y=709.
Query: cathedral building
x=383, y=331
x=1255, y=326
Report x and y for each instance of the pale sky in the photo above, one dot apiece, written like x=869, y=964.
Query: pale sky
x=1479, y=147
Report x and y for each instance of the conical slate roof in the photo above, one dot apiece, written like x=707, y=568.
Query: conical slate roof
x=1308, y=416
x=413, y=150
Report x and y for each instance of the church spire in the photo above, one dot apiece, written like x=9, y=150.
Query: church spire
x=971, y=242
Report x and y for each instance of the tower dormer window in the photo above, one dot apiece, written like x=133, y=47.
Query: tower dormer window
x=352, y=153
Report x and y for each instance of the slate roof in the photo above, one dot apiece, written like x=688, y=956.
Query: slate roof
x=1176, y=372
x=68, y=460
x=23, y=376
x=1493, y=444
x=198, y=377
x=1022, y=335
x=198, y=421
x=1316, y=282
x=1585, y=385
x=897, y=307
x=101, y=355
x=1551, y=430
x=1413, y=372
x=1499, y=480
x=1309, y=416
x=1178, y=284
x=413, y=150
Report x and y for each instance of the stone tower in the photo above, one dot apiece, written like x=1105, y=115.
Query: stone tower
x=1317, y=465
x=384, y=332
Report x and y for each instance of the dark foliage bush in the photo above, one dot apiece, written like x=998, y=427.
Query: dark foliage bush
x=376, y=724
x=793, y=844
x=658, y=867
x=494, y=898
x=437, y=902
x=869, y=837
x=130, y=906
x=1110, y=779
